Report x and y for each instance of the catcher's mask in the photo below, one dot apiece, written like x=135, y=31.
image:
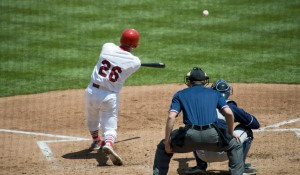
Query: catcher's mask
x=223, y=87
x=196, y=75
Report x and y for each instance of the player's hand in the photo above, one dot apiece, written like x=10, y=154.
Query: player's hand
x=168, y=148
x=236, y=137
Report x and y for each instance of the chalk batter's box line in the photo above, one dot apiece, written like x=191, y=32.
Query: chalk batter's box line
x=274, y=127
x=46, y=150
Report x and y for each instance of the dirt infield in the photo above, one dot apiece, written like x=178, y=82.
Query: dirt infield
x=46, y=133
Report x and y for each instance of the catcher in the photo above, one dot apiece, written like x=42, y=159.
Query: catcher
x=198, y=105
x=246, y=121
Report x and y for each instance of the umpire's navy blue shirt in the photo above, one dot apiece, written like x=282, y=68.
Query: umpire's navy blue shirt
x=198, y=104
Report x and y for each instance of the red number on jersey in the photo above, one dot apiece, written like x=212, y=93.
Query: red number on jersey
x=105, y=67
x=114, y=73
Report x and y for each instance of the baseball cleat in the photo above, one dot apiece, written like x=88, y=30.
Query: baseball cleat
x=114, y=157
x=250, y=172
x=196, y=170
x=96, y=145
x=247, y=165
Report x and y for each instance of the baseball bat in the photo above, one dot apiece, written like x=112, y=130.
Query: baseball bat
x=154, y=65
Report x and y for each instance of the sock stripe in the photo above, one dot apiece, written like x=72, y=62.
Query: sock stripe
x=110, y=138
x=95, y=135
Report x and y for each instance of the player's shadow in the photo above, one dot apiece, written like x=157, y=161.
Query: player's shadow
x=88, y=154
x=183, y=166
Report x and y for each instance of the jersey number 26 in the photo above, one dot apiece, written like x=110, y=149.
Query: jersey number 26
x=114, y=71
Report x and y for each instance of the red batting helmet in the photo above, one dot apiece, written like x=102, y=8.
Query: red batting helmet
x=130, y=38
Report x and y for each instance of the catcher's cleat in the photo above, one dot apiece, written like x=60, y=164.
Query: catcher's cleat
x=196, y=170
x=96, y=145
x=114, y=157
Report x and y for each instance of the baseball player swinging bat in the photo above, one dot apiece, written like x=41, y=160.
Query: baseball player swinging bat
x=154, y=65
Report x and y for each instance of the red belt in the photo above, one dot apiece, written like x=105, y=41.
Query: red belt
x=96, y=85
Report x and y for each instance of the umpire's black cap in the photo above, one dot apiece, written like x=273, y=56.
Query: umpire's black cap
x=197, y=74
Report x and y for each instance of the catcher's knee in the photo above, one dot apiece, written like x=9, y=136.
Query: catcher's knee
x=161, y=145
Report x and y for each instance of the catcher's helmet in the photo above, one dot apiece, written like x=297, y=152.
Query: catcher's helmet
x=196, y=74
x=223, y=87
x=130, y=38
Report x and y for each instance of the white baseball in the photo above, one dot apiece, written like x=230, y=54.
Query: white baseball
x=205, y=13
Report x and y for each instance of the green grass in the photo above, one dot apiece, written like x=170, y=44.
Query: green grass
x=53, y=44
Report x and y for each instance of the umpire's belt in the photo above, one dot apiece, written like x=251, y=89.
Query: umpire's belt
x=199, y=127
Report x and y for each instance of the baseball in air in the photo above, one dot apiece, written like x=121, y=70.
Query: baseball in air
x=205, y=13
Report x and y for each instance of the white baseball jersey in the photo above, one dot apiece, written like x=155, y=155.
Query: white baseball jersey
x=102, y=94
x=114, y=67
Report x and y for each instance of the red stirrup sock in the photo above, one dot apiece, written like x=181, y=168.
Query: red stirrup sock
x=95, y=135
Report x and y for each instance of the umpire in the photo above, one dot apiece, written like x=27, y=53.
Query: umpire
x=198, y=105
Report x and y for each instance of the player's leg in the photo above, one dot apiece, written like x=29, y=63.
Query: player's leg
x=109, y=125
x=199, y=139
x=93, y=119
x=246, y=137
x=246, y=147
x=161, y=160
x=236, y=158
x=109, y=118
x=200, y=163
x=199, y=168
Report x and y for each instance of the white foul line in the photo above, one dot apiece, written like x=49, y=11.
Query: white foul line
x=274, y=127
x=41, y=134
x=281, y=123
x=46, y=150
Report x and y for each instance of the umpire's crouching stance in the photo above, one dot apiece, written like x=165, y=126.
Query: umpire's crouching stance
x=198, y=105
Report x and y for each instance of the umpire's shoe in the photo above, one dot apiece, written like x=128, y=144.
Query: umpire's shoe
x=247, y=165
x=114, y=157
x=250, y=172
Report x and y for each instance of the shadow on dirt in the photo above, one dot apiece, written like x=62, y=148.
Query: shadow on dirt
x=88, y=154
x=183, y=166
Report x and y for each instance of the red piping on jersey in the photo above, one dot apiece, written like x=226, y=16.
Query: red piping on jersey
x=226, y=106
x=173, y=110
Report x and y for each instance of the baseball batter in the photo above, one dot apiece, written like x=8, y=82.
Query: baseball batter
x=246, y=121
x=115, y=65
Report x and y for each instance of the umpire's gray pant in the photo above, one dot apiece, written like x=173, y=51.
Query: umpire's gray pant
x=199, y=140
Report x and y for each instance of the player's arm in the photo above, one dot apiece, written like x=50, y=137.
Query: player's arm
x=170, y=124
x=228, y=114
x=169, y=128
x=174, y=110
x=244, y=117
